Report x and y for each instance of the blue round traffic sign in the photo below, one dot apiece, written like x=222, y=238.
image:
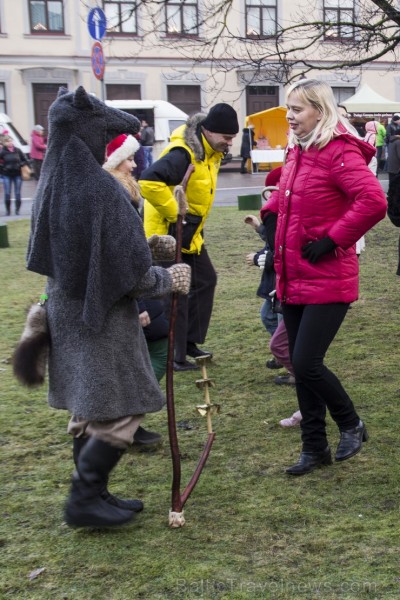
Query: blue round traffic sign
x=97, y=23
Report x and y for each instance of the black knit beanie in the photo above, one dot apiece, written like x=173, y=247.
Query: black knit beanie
x=222, y=118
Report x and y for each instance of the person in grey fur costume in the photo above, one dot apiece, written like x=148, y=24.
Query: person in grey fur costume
x=89, y=241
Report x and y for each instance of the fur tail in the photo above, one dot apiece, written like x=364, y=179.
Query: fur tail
x=31, y=354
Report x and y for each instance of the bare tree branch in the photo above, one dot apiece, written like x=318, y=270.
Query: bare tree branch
x=302, y=43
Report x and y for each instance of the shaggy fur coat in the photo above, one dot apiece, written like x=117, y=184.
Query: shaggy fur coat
x=89, y=241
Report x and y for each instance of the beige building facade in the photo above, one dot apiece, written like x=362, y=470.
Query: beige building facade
x=46, y=43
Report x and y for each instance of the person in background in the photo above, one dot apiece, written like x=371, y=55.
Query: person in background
x=380, y=146
x=393, y=159
x=139, y=159
x=371, y=137
x=393, y=194
x=147, y=141
x=120, y=161
x=201, y=142
x=12, y=159
x=327, y=199
x=264, y=259
x=38, y=148
x=393, y=129
x=248, y=143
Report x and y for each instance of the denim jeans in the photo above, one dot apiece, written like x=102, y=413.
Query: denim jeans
x=148, y=156
x=8, y=181
x=269, y=318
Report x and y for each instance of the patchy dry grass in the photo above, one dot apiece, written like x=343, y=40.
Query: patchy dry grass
x=251, y=531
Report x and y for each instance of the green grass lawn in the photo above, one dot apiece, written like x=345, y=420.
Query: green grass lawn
x=251, y=531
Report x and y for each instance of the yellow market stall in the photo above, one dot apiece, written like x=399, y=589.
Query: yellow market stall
x=270, y=132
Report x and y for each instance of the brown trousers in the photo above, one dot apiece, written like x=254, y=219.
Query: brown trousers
x=118, y=433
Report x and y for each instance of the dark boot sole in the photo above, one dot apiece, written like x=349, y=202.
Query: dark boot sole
x=325, y=463
x=78, y=523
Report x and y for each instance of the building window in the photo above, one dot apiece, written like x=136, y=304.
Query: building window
x=342, y=93
x=46, y=16
x=185, y=97
x=121, y=17
x=2, y=98
x=260, y=18
x=341, y=14
x=181, y=17
x=123, y=91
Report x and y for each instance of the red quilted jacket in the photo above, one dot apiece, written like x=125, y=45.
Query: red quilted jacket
x=328, y=192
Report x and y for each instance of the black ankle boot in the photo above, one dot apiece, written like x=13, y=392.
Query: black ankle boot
x=134, y=505
x=85, y=506
x=309, y=461
x=351, y=442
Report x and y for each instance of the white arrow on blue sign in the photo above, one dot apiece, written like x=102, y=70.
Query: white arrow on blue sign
x=97, y=23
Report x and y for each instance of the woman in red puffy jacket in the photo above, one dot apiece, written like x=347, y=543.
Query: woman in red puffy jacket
x=327, y=199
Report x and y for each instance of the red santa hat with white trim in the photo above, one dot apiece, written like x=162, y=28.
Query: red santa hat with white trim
x=119, y=149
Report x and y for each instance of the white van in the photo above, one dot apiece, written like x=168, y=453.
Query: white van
x=6, y=127
x=163, y=116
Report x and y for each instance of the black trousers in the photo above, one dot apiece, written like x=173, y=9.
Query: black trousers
x=311, y=329
x=194, y=310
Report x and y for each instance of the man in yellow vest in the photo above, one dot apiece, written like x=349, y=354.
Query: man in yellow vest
x=202, y=141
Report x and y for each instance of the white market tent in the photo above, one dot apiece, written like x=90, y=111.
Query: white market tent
x=368, y=103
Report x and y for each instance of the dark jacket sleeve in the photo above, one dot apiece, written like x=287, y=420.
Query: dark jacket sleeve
x=269, y=222
x=169, y=169
x=159, y=326
x=139, y=160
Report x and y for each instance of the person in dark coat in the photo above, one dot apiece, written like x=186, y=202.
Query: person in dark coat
x=393, y=130
x=139, y=158
x=88, y=240
x=246, y=146
x=393, y=195
x=11, y=160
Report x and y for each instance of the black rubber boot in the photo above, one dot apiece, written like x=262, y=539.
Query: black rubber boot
x=309, y=461
x=85, y=506
x=17, y=205
x=134, y=505
x=7, y=202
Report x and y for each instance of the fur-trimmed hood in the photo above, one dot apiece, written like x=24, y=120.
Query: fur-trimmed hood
x=192, y=135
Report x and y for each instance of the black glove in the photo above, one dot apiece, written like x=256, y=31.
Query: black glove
x=314, y=250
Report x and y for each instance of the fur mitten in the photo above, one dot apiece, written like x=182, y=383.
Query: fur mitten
x=31, y=353
x=162, y=247
x=181, y=275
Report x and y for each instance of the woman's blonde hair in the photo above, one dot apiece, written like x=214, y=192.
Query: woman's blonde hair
x=320, y=95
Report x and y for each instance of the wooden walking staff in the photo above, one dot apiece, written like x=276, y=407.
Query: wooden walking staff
x=176, y=518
